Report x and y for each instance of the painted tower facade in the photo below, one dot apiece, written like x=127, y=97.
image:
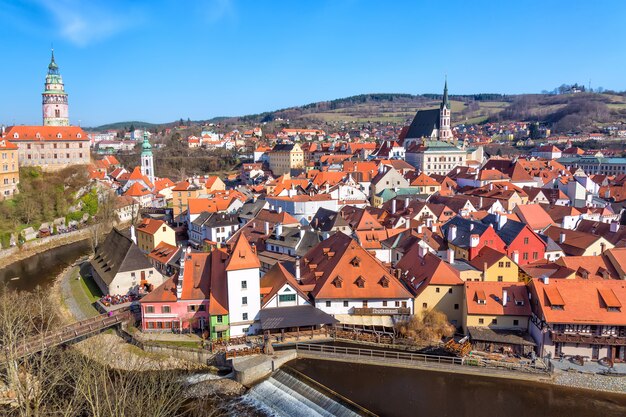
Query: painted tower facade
x=147, y=163
x=445, y=131
x=55, y=107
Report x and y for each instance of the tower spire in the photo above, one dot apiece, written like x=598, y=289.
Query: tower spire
x=445, y=102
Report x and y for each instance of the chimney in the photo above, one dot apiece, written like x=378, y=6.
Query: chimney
x=278, y=229
x=298, y=278
x=280, y=209
x=451, y=232
x=516, y=257
x=614, y=227
x=474, y=240
x=490, y=186
x=267, y=228
x=562, y=237
x=433, y=228
x=480, y=202
x=302, y=232
x=327, y=188
x=422, y=251
x=546, y=279
x=607, y=194
x=419, y=228
x=133, y=237
x=450, y=256
x=505, y=295
x=407, y=201
x=501, y=220
x=393, y=206
x=602, y=247
x=181, y=273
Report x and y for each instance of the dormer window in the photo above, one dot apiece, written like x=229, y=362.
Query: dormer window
x=38, y=136
x=59, y=136
x=481, y=298
x=583, y=273
x=16, y=135
x=360, y=282
x=337, y=281
x=356, y=262
x=78, y=136
x=384, y=282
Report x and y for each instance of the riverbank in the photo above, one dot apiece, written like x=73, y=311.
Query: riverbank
x=33, y=247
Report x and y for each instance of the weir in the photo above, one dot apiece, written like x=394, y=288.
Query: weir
x=286, y=395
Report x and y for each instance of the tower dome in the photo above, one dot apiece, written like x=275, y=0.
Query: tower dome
x=54, y=98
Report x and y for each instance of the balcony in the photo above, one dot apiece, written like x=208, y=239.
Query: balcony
x=380, y=311
x=590, y=339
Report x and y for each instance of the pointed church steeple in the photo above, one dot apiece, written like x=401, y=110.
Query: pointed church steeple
x=445, y=102
x=53, y=68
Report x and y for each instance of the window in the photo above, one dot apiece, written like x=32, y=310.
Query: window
x=515, y=322
x=456, y=306
x=508, y=264
x=244, y=316
x=384, y=303
x=525, y=241
x=244, y=301
x=220, y=319
x=166, y=309
x=345, y=303
x=397, y=303
x=525, y=256
x=201, y=307
x=244, y=285
x=500, y=264
x=535, y=255
x=424, y=305
x=500, y=278
x=481, y=321
x=328, y=303
x=286, y=298
x=149, y=309
x=191, y=308
x=132, y=274
x=364, y=303
x=436, y=289
x=449, y=290
x=494, y=321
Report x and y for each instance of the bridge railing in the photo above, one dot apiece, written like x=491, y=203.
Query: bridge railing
x=408, y=357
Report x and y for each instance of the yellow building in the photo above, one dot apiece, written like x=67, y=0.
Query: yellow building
x=496, y=305
x=434, y=283
x=182, y=192
x=285, y=157
x=9, y=169
x=495, y=266
x=151, y=232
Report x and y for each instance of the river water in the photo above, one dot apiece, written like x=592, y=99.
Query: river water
x=42, y=269
x=398, y=392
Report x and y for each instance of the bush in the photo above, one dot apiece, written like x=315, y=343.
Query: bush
x=428, y=327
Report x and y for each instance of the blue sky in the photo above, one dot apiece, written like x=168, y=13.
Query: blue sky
x=160, y=60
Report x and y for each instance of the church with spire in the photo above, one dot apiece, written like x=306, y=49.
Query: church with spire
x=429, y=142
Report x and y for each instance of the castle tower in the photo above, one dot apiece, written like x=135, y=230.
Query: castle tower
x=445, y=131
x=55, y=107
x=147, y=164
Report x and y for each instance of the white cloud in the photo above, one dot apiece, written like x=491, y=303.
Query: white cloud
x=85, y=22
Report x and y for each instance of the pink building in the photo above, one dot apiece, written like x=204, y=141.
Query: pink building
x=180, y=303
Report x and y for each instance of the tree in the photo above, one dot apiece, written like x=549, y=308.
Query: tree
x=429, y=326
x=533, y=130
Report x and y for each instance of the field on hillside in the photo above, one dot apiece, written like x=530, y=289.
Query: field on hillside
x=398, y=113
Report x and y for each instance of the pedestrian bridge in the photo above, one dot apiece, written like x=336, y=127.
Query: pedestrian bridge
x=72, y=332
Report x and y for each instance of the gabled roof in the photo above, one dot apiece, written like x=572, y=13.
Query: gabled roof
x=491, y=296
x=581, y=301
x=487, y=256
x=423, y=124
x=418, y=272
x=45, y=133
x=117, y=254
x=150, y=226
x=533, y=215
x=242, y=256
x=337, y=266
x=275, y=279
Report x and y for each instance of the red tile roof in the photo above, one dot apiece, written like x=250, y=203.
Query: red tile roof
x=45, y=133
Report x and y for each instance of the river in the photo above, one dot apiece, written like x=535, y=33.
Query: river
x=398, y=392
x=42, y=269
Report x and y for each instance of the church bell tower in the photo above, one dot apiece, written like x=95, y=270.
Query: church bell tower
x=147, y=164
x=54, y=98
x=445, y=131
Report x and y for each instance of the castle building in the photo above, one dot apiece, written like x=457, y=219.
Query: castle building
x=54, y=98
x=56, y=144
x=147, y=163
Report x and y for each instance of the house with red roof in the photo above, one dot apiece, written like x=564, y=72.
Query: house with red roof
x=579, y=317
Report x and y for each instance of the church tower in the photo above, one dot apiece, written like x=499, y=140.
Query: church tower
x=445, y=131
x=55, y=108
x=147, y=165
